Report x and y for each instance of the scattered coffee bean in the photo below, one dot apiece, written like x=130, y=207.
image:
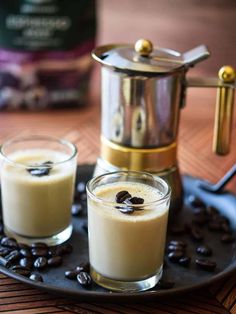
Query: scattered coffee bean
x=9, y=242
x=165, y=284
x=4, y=262
x=194, y=201
x=26, y=262
x=84, y=266
x=227, y=238
x=36, y=277
x=13, y=256
x=71, y=274
x=171, y=248
x=178, y=243
x=36, y=252
x=76, y=209
x=4, y=251
x=205, y=264
x=177, y=230
x=122, y=196
x=175, y=256
x=55, y=261
x=25, y=253
x=40, y=262
x=184, y=261
x=81, y=187
x=84, y=279
x=22, y=271
x=196, y=234
x=39, y=245
x=204, y=250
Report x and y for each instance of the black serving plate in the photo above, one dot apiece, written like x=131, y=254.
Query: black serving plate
x=185, y=278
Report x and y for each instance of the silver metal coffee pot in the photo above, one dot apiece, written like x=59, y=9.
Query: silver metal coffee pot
x=142, y=92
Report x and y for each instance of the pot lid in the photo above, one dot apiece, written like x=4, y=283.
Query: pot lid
x=142, y=57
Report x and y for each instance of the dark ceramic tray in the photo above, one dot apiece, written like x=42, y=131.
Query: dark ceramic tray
x=185, y=279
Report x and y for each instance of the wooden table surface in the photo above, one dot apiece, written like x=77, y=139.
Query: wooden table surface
x=177, y=24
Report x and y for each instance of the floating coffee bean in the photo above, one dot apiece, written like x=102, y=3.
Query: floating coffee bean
x=40, y=262
x=26, y=262
x=204, y=250
x=178, y=243
x=125, y=209
x=122, y=196
x=13, y=256
x=205, y=264
x=184, y=261
x=36, y=252
x=195, y=201
x=196, y=234
x=25, y=253
x=4, y=251
x=4, y=262
x=39, y=172
x=81, y=187
x=9, y=242
x=55, y=261
x=177, y=229
x=76, y=209
x=22, y=271
x=71, y=274
x=84, y=266
x=227, y=238
x=175, y=256
x=214, y=226
x=36, y=277
x=165, y=284
x=84, y=279
x=39, y=245
x=136, y=200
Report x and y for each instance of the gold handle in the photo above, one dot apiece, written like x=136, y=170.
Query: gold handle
x=224, y=112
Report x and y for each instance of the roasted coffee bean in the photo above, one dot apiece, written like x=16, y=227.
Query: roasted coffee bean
x=227, y=238
x=85, y=227
x=55, y=261
x=178, y=229
x=184, y=261
x=22, y=271
x=76, y=209
x=84, y=266
x=126, y=209
x=36, y=277
x=84, y=279
x=122, y=196
x=9, y=242
x=13, y=256
x=25, y=253
x=23, y=246
x=171, y=248
x=214, y=226
x=4, y=262
x=40, y=262
x=136, y=200
x=26, y=262
x=194, y=201
x=178, y=243
x=36, y=252
x=39, y=245
x=165, y=284
x=205, y=264
x=71, y=274
x=81, y=187
x=196, y=234
x=175, y=256
x=204, y=250
x=39, y=172
x=4, y=251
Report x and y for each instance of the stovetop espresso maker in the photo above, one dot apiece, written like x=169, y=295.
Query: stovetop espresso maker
x=143, y=90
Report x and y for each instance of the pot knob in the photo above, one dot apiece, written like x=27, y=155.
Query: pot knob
x=143, y=47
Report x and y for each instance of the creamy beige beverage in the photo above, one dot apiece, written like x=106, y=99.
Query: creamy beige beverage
x=37, y=206
x=127, y=247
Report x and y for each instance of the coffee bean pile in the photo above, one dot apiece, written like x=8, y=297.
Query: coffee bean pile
x=202, y=217
x=24, y=259
x=124, y=197
x=81, y=274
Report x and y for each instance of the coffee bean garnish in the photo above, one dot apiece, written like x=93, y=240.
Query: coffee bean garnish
x=227, y=238
x=25, y=253
x=171, y=248
x=85, y=266
x=55, y=261
x=184, y=261
x=125, y=209
x=122, y=196
x=76, y=209
x=204, y=250
x=165, y=284
x=71, y=274
x=40, y=262
x=205, y=264
x=84, y=279
x=42, y=169
x=136, y=200
x=36, y=277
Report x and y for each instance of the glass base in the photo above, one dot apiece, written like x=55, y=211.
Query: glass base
x=50, y=241
x=125, y=286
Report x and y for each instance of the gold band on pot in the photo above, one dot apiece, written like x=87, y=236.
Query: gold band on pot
x=139, y=159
